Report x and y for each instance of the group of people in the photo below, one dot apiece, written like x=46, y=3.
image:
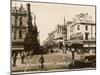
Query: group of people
x=20, y=55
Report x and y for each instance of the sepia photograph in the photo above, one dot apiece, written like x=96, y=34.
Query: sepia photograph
x=49, y=37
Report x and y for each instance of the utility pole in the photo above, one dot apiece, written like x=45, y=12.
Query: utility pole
x=64, y=36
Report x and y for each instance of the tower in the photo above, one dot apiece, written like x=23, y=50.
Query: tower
x=64, y=28
x=35, y=26
x=64, y=34
x=64, y=21
x=29, y=22
x=31, y=41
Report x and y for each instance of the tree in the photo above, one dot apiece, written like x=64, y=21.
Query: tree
x=31, y=43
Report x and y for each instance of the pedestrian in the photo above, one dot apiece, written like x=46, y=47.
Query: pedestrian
x=64, y=50
x=14, y=59
x=22, y=57
x=41, y=60
x=73, y=55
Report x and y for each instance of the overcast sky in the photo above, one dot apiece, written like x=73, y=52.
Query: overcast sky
x=49, y=15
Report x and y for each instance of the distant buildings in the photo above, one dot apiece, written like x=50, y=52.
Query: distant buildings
x=79, y=33
x=59, y=35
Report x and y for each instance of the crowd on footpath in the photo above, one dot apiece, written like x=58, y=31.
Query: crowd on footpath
x=28, y=55
x=21, y=55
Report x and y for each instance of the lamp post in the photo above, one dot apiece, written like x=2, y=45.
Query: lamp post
x=64, y=36
x=73, y=55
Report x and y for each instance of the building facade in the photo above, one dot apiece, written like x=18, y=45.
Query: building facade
x=19, y=27
x=81, y=31
x=23, y=33
x=60, y=34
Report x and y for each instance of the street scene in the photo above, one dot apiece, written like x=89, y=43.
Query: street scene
x=52, y=37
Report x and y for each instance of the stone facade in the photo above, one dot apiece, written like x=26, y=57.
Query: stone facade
x=23, y=30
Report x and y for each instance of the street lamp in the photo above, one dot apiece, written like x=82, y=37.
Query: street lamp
x=73, y=55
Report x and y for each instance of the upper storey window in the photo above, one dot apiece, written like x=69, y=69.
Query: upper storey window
x=20, y=21
x=78, y=27
x=20, y=34
x=86, y=27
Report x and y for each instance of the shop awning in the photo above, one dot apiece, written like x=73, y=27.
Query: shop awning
x=74, y=42
x=17, y=48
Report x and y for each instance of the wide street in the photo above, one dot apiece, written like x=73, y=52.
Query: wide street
x=52, y=61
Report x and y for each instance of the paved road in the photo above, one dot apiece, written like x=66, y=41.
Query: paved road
x=52, y=61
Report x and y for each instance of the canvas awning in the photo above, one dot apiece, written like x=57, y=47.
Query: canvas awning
x=17, y=48
x=74, y=42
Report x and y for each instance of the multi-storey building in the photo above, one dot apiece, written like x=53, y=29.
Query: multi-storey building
x=56, y=36
x=24, y=33
x=60, y=34
x=81, y=31
x=19, y=27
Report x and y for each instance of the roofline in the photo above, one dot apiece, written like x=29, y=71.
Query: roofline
x=84, y=23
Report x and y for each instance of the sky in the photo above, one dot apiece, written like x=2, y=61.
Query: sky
x=48, y=15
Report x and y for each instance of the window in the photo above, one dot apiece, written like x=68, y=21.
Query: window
x=20, y=20
x=86, y=36
x=20, y=33
x=86, y=27
x=78, y=27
